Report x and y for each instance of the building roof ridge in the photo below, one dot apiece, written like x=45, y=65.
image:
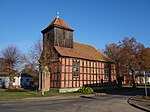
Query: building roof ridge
x=95, y=49
x=58, y=22
x=83, y=51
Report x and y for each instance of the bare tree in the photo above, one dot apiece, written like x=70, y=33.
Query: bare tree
x=31, y=60
x=36, y=51
x=11, y=55
x=3, y=67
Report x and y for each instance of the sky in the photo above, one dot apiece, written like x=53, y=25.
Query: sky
x=96, y=22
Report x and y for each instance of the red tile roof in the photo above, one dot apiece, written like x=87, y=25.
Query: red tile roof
x=83, y=51
x=59, y=23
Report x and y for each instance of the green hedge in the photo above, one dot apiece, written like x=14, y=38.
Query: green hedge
x=85, y=90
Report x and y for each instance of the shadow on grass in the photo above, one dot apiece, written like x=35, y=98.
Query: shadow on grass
x=127, y=91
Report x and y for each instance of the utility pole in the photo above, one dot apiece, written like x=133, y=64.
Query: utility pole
x=145, y=85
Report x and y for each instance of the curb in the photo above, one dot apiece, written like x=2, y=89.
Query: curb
x=137, y=105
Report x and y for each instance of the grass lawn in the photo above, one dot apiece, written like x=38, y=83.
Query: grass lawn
x=17, y=94
x=12, y=94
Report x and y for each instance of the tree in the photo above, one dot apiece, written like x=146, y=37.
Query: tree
x=3, y=67
x=113, y=51
x=11, y=56
x=36, y=51
x=130, y=52
x=31, y=60
x=128, y=55
x=144, y=61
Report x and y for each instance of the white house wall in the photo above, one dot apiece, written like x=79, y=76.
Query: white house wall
x=16, y=81
x=142, y=79
x=6, y=80
x=147, y=79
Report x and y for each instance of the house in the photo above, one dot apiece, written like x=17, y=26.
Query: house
x=22, y=80
x=5, y=80
x=26, y=80
x=139, y=78
x=72, y=64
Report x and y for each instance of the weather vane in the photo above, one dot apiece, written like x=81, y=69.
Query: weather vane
x=57, y=14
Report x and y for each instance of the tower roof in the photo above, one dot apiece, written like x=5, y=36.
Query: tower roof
x=58, y=23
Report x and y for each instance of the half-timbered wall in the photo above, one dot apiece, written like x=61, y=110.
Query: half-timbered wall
x=55, y=75
x=91, y=73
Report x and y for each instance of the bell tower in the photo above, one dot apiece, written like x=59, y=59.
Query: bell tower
x=58, y=33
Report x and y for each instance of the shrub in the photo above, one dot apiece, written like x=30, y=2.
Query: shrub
x=85, y=90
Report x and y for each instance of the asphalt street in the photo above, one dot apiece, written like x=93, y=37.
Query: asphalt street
x=103, y=103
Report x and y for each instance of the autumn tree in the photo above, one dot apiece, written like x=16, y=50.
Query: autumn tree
x=127, y=55
x=144, y=61
x=130, y=51
x=113, y=51
x=11, y=56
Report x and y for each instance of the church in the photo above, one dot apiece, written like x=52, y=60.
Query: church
x=71, y=65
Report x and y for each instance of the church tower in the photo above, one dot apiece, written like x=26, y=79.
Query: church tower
x=57, y=33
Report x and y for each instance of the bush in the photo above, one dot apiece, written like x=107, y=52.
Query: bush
x=85, y=90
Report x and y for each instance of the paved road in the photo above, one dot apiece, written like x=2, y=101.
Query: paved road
x=104, y=103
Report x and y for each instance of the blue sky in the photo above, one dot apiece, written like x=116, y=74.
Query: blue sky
x=96, y=22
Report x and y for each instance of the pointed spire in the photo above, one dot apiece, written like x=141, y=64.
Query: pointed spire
x=57, y=15
x=57, y=22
